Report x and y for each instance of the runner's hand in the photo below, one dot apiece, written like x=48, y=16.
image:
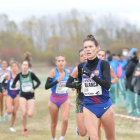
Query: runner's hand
x=77, y=84
x=60, y=78
x=86, y=71
x=32, y=90
x=17, y=84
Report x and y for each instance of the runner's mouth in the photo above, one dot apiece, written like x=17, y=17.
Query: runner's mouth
x=88, y=53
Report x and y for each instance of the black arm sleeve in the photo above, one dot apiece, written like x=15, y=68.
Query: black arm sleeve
x=35, y=79
x=106, y=82
x=15, y=81
x=70, y=82
x=49, y=83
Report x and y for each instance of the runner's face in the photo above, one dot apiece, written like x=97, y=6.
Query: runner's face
x=4, y=65
x=25, y=66
x=60, y=62
x=90, y=49
x=83, y=57
x=14, y=67
x=101, y=55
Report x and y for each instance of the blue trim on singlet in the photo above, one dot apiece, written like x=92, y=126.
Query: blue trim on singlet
x=12, y=93
x=99, y=99
x=56, y=77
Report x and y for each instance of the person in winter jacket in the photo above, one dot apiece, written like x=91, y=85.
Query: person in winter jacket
x=129, y=75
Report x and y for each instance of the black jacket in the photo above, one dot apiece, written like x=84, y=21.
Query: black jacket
x=136, y=81
x=129, y=72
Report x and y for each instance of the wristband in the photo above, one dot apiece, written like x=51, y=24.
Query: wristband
x=92, y=75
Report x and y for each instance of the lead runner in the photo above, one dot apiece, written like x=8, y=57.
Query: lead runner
x=96, y=82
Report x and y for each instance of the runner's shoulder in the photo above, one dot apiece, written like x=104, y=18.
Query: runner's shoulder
x=80, y=66
x=20, y=73
x=104, y=62
x=104, y=65
x=69, y=73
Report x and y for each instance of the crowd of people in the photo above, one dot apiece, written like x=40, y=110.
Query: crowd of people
x=126, y=67
x=98, y=81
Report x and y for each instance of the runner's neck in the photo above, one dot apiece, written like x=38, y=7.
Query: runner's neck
x=25, y=72
x=60, y=71
x=14, y=73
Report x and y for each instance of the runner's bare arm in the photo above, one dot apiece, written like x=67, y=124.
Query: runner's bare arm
x=75, y=73
x=70, y=83
x=115, y=79
x=69, y=72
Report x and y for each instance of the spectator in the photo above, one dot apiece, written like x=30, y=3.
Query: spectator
x=125, y=52
x=129, y=75
x=136, y=86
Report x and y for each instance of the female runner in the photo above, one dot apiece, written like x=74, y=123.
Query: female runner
x=59, y=98
x=96, y=82
x=12, y=99
x=3, y=86
x=102, y=55
x=27, y=89
x=81, y=130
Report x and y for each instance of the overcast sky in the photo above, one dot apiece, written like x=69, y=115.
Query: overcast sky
x=18, y=10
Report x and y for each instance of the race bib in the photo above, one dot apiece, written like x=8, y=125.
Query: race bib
x=91, y=88
x=16, y=88
x=61, y=88
x=27, y=86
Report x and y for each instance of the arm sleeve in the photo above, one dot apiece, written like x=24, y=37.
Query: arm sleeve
x=106, y=82
x=36, y=79
x=49, y=83
x=70, y=82
x=15, y=81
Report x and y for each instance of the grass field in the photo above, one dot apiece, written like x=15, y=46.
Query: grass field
x=39, y=124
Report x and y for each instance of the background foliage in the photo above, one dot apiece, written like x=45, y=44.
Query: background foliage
x=47, y=36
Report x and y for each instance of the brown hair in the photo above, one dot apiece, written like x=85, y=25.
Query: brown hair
x=90, y=37
x=80, y=51
x=126, y=48
x=14, y=62
x=5, y=61
x=27, y=57
x=136, y=54
x=60, y=55
x=102, y=51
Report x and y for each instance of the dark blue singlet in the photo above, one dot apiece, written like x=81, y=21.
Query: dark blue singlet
x=100, y=101
x=12, y=92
